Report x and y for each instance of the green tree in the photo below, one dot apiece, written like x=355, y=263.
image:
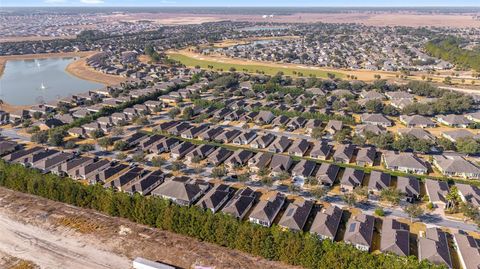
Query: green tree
x=413, y=211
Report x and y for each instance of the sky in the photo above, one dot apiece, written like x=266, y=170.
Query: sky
x=239, y=3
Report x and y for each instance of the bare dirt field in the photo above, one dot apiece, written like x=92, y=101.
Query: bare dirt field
x=33, y=38
x=81, y=70
x=368, y=18
x=56, y=235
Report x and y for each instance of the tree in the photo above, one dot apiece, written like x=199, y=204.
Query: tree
x=158, y=161
x=391, y=195
x=318, y=192
x=56, y=137
x=187, y=113
x=172, y=113
x=40, y=137
x=86, y=147
x=120, y=145
x=97, y=134
x=350, y=199
x=317, y=133
x=468, y=145
x=105, y=142
x=219, y=172
x=379, y=212
x=362, y=192
x=453, y=198
x=413, y=211
x=138, y=157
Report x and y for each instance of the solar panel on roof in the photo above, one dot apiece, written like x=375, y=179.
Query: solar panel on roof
x=352, y=227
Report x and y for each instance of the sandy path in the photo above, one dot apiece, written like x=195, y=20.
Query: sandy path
x=49, y=250
x=80, y=69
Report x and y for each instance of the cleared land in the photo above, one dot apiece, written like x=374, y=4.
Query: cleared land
x=81, y=70
x=56, y=235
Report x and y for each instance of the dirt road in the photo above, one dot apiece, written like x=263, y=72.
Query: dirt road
x=55, y=235
x=54, y=250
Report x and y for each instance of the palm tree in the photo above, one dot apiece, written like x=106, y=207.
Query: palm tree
x=453, y=198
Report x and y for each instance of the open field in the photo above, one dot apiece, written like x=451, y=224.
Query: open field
x=56, y=235
x=80, y=69
x=33, y=38
x=250, y=66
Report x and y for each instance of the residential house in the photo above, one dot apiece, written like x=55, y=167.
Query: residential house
x=245, y=138
x=359, y=231
x=366, y=156
x=210, y=134
x=181, y=190
x=351, y=179
x=263, y=141
x=333, y=126
x=327, y=174
x=453, y=120
x=280, y=145
x=344, y=153
x=240, y=204
x=215, y=198
x=456, y=166
x=227, y=136
x=417, y=121
x=201, y=152
x=437, y=191
x=259, y=161
x=299, y=147
x=280, y=164
x=181, y=150
x=405, y=162
x=375, y=119
x=296, y=215
x=434, y=247
x=395, y=237
x=379, y=181
x=264, y=117
x=326, y=223
x=417, y=133
x=469, y=194
x=194, y=132
x=267, y=209
x=219, y=156
x=239, y=158
x=410, y=187
x=321, y=150
x=468, y=250
x=303, y=169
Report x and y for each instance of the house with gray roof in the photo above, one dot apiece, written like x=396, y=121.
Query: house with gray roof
x=437, y=190
x=215, y=198
x=455, y=135
x=146, y=183
x=71, y=168
x=53, y=162
x=366, y=156
x=195, y=131
x=239, y=158
x=219, y=156
x=201, y=152
x=327, y=174
x=416, y=132
x=281, y=120
x=434, y=247
x=280, y=164
x=405, y=162
x=410, y=187
x=264, y=117
x=181, y=190
x=259, y=161
x=395, y=237
x=181, y=150
x=468, y=250
x=333, y=126
x=417, y=121
x=351, y=179
x=245, y=138
x=280, y=145
x=375, y=119
x=359, y=231
x=263, y=141
x=321, y=150
x=344, y=153
x=299, y=147
x=456, y=166
x=296, y=215
x=469, y=193
x=240, y=204
x=303, y=169
x=227, y=136
x=452, y=120
x=267, y=209
x=326, y=223
x=211, y=133
x=399, y=95
x=363, y=129
x=379, y=181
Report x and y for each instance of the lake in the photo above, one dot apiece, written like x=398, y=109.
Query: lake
x=28, y=82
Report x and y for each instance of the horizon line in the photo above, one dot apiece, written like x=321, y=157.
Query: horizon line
x=236, y=6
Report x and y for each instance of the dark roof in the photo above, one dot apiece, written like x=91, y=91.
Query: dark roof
x=326, y=223
x=327, y=173
x=395, y=237
x=296, y=214
x=241, y=202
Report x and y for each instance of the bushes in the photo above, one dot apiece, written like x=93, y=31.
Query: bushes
x=273, y=243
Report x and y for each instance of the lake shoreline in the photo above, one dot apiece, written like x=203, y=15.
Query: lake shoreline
x=81, y=70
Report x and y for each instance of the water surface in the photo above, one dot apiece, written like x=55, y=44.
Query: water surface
x=27, y=82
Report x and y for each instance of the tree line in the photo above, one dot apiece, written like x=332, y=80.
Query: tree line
x=295, y=248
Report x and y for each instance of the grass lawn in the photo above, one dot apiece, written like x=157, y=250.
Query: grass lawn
x=251, y=68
